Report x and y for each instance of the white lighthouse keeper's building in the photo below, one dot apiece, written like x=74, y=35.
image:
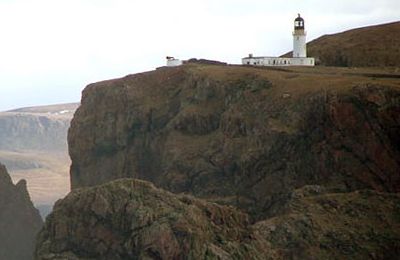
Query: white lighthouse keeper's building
x=299, y=57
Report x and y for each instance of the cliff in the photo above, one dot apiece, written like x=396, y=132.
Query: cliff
x=132, y=219
x=19, y=220
x=371, y=46
x=241, y=136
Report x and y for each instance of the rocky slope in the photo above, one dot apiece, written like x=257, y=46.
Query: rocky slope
x=19, y=220
x=375, y=46
x=131, y=219
x=241, y=136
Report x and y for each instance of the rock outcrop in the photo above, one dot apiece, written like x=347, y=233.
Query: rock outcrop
x=372, y=46
x=241, y=136
x=19, y=220
x=131, y=219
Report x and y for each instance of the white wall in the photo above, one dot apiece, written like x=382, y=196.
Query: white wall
x=299, y=45
x=174, y=62
x=273, y=61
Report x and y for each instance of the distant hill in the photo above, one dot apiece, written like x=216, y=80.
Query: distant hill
x=36, y=128
x=67, y=109
x=372, y=46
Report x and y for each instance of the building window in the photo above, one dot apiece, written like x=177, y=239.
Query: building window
x=248, y=63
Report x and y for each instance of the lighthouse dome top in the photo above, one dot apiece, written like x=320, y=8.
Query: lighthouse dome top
x=298, y=22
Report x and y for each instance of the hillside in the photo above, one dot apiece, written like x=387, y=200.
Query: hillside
x=372, y=46
x=19, y=220
x=33, y=146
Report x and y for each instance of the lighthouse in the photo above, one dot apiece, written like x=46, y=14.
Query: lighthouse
x=299, y=57
x=299, y=38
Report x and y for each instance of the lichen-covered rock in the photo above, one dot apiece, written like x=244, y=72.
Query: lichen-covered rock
x=19, y=220
x=132, y=219
x=240, y=136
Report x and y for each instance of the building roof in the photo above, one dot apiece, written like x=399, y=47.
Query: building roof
x=299, y=18
x=298, y=23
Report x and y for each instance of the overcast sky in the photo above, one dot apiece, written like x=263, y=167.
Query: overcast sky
x=51, y=49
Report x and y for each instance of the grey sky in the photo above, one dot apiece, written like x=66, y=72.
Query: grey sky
x=51, y=49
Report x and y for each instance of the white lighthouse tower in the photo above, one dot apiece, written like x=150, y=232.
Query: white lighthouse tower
x=299, y=38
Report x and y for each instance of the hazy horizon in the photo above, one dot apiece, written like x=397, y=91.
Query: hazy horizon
x=50, y=50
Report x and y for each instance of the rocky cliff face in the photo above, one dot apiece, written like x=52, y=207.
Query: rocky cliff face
x=131, y=219
x=19, y=220
x=372, y=46
x=241, y=136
